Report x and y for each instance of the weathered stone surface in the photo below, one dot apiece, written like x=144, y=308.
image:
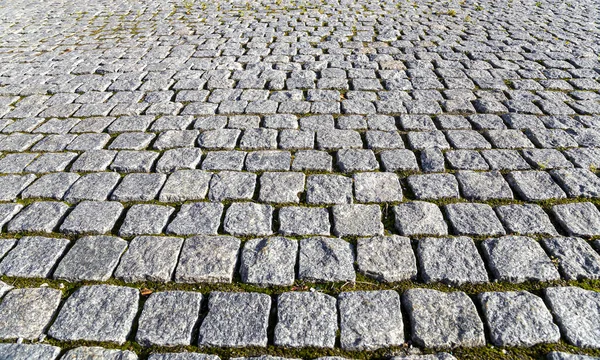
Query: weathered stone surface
x=295, y=220
x=98, y=353
x=33, y=257
x=207, y=259
x=28, y=352
x=377, y=187
x=281, y=187
x=51, y=186
x=40, y=216
x=326, y=259
x=185, y=185
x=473, y=219
x=91, y=258
x=438, y=356
x=7, y=211
x=25, y=313
x=97, y=313
x=518, y=259
x=370, y=320
x=576, y=258
x=357, y=220
x=197, y=218
x=556, y=355
x=168, y=318
x=92, y=217
x=269, y=261
x=578, y=182
x=433, y=186
x=231, y=185
x=95, y=186
x=443, y=320
x=149, y=258
x=454, y=261
x=139, y=187
x=306, y=319
x=578, y=219
x=145, y=219
x=518, y=319
x=527, y=219
x=483, y=185
x=12, y=185
x=328, y=189
x=576, y=313
x=4, y=288
x=235, y=320
x=248, y=219
x=419, y=218
x=386, y=258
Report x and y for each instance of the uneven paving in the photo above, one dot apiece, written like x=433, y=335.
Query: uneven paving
x=283, y=179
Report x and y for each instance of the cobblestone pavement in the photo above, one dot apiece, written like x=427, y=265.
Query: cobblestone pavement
x=188, y=180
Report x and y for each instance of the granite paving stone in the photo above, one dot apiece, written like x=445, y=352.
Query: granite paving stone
x=370, y=320
x=145, y=219
x=433, y=186
x=138, y=187
x=326, y=259
x=578, y=219
x=168, y=318
x=96, y=352
x=328, y=189
x=97, y=313
x=518, y=318
x=483, y=185
x=26, y=313
x=12, y=185
x=576, y=257
x=33, y=257
x=454, y=261
x=377, y=187
x=208, y=259
x=443, y=320
x=281, y=187
x=231, y=185
x=306, y=319
x=357, y=220
x=527, y=219
x=40, y=217
x=518, y=259
x=575, y=311
x=94, y=186
x=473, y=219
x=386, y=258
x=269, y=261
x=295, y=220
x=11, y=351
x=535, y=185
x=578, y=182
x=235, y=320
x=149, y=258
x=248, y=219
x=196, y=218
x=419, y=218
x=50, y=186
x=91, y=258
x=92, y=217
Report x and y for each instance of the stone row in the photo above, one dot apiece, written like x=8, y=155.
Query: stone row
x=368, y=320
x=279, y=261
x=281, y=187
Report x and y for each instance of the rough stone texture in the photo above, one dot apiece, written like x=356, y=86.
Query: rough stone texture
x=386, y=258
x=168, y=318
x=328, y=189
x=525, y=219
x=185, y=185
x=326, y=259
x=149, y=258
x=473, y=219
x=98, y=353
x=438, y=356
x=248, y=219
x=483, y=185
x=91, y=258
x=235, y=320
x=269, y=261
x=576, y=258
x=419, y=218
x=578, y=219
x=92, y=217
x=443, y=320
x=576, y=313
x=207, y=259
x=145, y=219
x=25, y=313
x=183, y=356
x=578, y=182
x=453, y=261
x=197, y=218
x=370, y=320
x=377, y=187
x=357, y=220
x=28, y=352
x=33, y=257
x=518, y=259
x=97, y=313
x=433, y=186
x=303, y=221
x=281, y=187
x=306, y=319
x=38, y=217
x=518, y=318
